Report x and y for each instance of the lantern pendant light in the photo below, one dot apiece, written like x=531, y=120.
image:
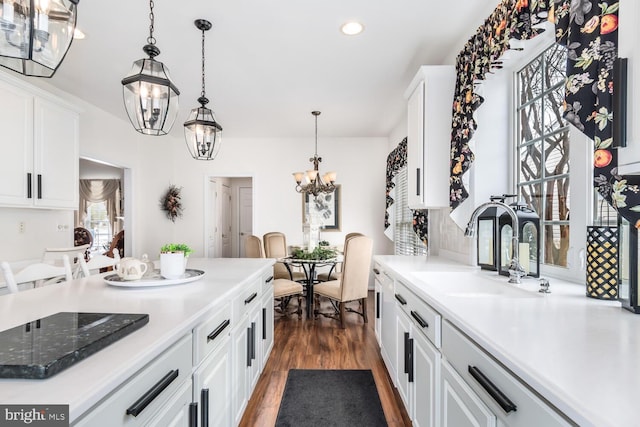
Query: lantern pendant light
x=36, y=34
x=150, y=97
x=201, y=131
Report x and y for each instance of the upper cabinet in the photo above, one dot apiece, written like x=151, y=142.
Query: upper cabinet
x=430, y=97
x=40, y=146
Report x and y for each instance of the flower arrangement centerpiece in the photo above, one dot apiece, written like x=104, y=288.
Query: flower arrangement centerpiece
x=319, y=252
x=173, y=260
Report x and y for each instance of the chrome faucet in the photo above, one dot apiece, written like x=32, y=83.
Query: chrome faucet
x=515, y=269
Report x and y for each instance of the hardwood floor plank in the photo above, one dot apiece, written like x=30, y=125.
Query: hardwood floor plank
x=321, y=344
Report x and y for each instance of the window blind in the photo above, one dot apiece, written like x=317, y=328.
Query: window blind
x=406, y=241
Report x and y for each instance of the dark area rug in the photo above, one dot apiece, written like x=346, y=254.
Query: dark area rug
x=321, y=397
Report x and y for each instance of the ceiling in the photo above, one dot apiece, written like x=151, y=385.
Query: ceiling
x=269, y=63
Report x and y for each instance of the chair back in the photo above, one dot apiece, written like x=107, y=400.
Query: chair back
x=275, y=246
x=356, y=267
x=96, y=262
x=253, y=247
x=40, y=271
x=56, y=254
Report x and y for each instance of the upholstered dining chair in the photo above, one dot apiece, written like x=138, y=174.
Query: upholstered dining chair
x=283, y=291
x=275, y=246
x=336, y=270
x=41, y=273
x=354, y=282
x=253, y=247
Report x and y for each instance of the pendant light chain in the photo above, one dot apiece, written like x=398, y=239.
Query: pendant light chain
x=151, y=40
x=203, y=92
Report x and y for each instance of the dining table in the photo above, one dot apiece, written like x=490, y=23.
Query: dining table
x=309, y=266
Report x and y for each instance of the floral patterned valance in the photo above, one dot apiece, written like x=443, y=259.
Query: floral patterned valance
x=589, y=30
x=396, y=160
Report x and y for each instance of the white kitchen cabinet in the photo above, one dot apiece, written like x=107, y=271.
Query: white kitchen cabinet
x=267, y=322
x=388, y=323
x=461, y=407
x=177, y=412
x=212, y=386
x=503, y=394
x=39, y=165
x=148, y=392
x=377, y=301
x=429, y=112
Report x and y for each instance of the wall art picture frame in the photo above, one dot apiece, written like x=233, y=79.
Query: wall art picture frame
x=326, y=205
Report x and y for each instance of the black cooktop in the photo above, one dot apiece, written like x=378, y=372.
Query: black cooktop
x=46, y=346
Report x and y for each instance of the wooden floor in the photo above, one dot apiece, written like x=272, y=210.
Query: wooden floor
x=321, y=344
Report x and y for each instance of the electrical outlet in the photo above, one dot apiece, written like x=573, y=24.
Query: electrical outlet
x=21, y=227
x=63, y=227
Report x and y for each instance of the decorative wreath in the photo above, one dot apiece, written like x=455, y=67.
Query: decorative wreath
x=171, y=204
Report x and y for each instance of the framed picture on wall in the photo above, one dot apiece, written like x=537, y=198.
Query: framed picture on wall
x=327, y=206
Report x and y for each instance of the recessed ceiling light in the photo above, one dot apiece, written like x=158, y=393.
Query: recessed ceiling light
x=352, y=28
x=78, y=34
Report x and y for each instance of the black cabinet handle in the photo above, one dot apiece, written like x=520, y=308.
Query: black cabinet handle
x=39, y=186
x=423, y=323
x=417, y=181
x=217, y=331
x=193, y=414
x=251, y=298
x=410, y=359
x=377, y=305
x=264, y=323
x=401, y=299
x=406, y=352
x=29, y=195
x=269, y=279
x=253, y=340
x=375, y=270
x=249, y=341
x=497, y=395
x=204, y=410
x=152, y=393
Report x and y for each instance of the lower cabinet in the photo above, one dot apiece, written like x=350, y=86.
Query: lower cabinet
x=461, y=407
x=212, y=386
x=377, y=301
x=176, y=413
x=267, y=322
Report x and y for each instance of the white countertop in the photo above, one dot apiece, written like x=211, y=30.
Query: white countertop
x=581, y=354
x=173, y=312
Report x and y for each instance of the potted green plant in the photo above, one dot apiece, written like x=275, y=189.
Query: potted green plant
x=173, y=260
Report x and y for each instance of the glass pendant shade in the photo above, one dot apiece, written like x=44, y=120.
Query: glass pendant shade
x=202, y=134
x=36, y=34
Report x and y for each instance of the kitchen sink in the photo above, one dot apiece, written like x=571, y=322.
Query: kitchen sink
x=476, y=285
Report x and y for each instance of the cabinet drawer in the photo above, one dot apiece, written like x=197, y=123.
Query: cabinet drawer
x=267, y=281
x=425, y=319
x=211, y=332
x=246, y=299
x=500, y=390
x=165, y=375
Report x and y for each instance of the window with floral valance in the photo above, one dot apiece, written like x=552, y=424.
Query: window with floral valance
x=589, y=30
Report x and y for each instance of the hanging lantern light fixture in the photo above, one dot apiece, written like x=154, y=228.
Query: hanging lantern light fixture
x=313, y=182
x=36, y=34
x=201, y=131
x=150, y=97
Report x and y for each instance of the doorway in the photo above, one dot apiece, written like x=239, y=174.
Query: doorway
x=228, y=215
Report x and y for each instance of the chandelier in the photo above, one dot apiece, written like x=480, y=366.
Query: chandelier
x=201, y=131
x=36, y=34
x=150, y=97
x=313, y=183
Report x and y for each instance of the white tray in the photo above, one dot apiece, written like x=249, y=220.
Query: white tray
x=154, y=279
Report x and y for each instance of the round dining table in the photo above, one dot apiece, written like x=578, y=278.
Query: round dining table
x=309, y=266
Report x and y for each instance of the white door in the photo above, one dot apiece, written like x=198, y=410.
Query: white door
x=225, y=226
x=245, y=207
x=213, y=220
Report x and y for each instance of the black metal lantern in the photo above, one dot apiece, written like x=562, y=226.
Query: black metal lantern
x=628, y=287
x=201, y=131
x=36, y=34
x=487, y=257
x=150, y=97
x=528, y=237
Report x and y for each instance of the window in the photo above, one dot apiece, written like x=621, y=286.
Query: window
x=97, y=221
x=543, y=142
x=406, y=241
